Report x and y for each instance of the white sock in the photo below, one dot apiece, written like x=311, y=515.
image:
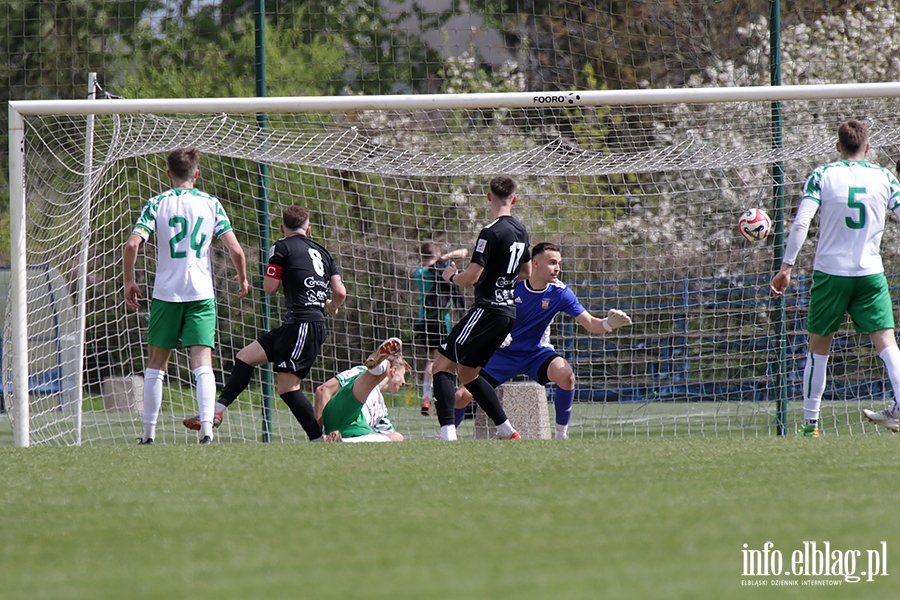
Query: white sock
x=379, y=368
x=319, y=439
x=220, y=407
x=813, y=386
x=206, y=429
x=426, y=390
x=891, y=358
x=562, y=432
x=206, y=394
x=153, y=389
x=505, y=430
x=448, y=433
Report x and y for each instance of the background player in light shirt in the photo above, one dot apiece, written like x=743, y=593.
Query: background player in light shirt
x=185, y=221
x=538, y=300
x=853, y=197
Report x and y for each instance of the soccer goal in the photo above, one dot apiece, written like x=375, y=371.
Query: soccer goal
x=642, y=189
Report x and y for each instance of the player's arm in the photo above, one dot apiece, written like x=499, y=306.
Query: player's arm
x=614, y=319
x=324, y=393
x=237, y=258
x=338, y=295
x=454, y=254
x=132, y=291
x=525, y=270
x=799, y=230
x=466, y=278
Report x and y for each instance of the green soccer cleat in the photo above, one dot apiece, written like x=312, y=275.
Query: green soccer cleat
x=808, y=431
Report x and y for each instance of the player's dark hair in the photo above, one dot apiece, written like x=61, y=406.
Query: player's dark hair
x=503, y=187
x=542, y=247
x=853, y=135
x=183, y=162
x=429, y=249
x=295, y=217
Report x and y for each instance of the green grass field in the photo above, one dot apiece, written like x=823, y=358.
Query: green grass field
x=622, y=518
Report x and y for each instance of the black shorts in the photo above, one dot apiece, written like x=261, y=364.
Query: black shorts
x=430, y=332
x=474, y=339
x=294, y=348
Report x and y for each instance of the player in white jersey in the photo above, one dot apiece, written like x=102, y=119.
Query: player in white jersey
x=350, y=405
x=529, y=351
x=848, y=277
x=185, y=221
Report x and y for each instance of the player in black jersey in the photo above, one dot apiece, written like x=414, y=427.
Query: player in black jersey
x=501, y=257
x=308, y=272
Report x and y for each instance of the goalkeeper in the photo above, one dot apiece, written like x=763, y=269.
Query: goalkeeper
x=538, y=300
x=350, y=405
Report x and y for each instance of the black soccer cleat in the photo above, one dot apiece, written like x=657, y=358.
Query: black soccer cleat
x=206, y=440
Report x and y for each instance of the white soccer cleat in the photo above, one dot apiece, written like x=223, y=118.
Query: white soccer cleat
x=388, y=347
x=882, y=417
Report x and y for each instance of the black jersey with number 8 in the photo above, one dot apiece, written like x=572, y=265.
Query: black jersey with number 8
x=305, y=269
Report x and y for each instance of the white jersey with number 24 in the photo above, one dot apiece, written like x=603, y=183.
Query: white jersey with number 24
x=185, y=221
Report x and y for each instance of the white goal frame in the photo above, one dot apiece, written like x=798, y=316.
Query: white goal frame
x=19, y=110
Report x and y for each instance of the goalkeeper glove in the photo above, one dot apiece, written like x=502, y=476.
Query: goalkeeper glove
x=615, y=318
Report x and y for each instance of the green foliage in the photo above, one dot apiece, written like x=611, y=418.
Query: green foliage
x=183, y=59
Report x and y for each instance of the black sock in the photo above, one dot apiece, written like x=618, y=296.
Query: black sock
x=487, y=399
x=444, y=397
x=303, y=412
x=241, y=374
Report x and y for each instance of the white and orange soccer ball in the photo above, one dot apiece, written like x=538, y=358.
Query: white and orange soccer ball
x=754, y=225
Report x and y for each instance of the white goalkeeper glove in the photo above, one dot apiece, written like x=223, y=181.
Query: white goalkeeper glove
x=506, y=341
x=615, y=318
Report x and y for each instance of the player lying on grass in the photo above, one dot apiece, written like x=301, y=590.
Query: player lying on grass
x=538, y=300
x=350, y=405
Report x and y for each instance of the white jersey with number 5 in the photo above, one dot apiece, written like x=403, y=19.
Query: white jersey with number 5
x=186, y=221
x=853, y=197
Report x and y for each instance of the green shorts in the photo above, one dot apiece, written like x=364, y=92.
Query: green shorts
x=344, y=413
x=867, y=299
x=194, y=323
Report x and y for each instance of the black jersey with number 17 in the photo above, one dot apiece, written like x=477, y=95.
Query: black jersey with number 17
x=502, y=249
x=305, y=269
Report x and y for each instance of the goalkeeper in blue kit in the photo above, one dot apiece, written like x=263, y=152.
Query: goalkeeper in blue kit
x=528, y=351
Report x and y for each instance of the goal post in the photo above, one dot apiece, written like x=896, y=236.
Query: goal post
x=642, y=188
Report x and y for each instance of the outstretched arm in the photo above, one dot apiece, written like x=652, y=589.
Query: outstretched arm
x=614, y=319
x=454, y=254
x=240, y=262
x=323, y=394
x=132, y=291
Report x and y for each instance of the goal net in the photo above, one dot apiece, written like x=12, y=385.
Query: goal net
x=641, y=189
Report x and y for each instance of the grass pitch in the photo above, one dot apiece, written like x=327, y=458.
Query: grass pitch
x=634, y=518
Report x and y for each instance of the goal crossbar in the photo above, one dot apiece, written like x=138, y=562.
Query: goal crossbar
x=457, y=101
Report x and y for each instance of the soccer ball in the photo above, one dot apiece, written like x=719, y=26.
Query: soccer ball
x=754, y=225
